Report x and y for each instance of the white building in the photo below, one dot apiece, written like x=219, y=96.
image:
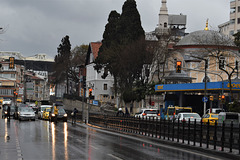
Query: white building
x=233, y=25
x=102, y=89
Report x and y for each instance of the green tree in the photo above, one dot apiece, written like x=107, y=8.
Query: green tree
x=124, y=51
x=62, y=61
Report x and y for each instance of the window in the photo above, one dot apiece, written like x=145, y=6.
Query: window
x=238, y=8
x=238, y=20
x=104, y=86
x=165, y=25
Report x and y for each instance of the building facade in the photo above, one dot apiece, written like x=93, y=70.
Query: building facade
x=233, y=25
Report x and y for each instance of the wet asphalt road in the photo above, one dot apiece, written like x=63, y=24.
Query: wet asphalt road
x=42, y=140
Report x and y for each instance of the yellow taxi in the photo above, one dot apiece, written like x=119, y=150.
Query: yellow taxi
x=211, y=117
x=1, y=100
x=19, y=100
x=46, y=113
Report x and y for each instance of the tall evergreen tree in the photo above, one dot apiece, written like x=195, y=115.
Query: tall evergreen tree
x=123, y=52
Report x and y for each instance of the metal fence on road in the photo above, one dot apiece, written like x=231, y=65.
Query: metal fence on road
x=218, y=137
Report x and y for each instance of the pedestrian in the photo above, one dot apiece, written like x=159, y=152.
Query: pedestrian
x=74, y=115
x=126, y=112
x=56, y=113
x=120, y=113
x=8, y=112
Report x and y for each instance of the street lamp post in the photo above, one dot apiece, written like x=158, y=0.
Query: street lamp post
x=205, y=86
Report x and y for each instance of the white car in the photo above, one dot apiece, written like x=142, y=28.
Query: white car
x=26, y=113
x=148, y=112
x=185, y=117
x=7, y=102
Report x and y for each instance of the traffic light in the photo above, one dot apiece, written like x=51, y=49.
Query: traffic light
x=84, y=82
x=223, y=98
x=90, y=93
x=11, y=62
x=179, y=66
x=15, y=94
x=211, y=98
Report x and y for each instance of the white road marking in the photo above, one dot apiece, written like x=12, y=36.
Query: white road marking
x=115, y=157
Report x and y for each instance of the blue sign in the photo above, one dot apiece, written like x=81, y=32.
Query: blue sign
x=205, y=99
x=95, y=103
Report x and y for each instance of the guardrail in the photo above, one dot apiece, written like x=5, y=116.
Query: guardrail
x=192, y=133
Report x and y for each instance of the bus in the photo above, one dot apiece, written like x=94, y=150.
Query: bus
x=173, y=111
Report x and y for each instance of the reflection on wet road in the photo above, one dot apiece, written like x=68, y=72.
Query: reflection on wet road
x=42, y=140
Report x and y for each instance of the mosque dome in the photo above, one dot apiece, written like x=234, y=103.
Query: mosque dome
x=205, y=37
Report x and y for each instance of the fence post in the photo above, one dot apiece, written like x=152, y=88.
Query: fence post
x=164, y=129
x=152, y=125
x=168, y=129
x=188, y=131
x=173, y=125
x=207, y=136
x=183, y=131
x=160, y=129
x=239, y=139
x=194, y=133
x=223, y=135
x=200, y=133
x=178, y=131
x=231, y=136
x=215, y=135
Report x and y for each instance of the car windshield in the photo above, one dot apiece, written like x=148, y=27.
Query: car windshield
x=151, y=111
x=26, y=109
x=183, y=110
x=214, y=115
x=191, y=116
x=23, y=105
x=48, y=109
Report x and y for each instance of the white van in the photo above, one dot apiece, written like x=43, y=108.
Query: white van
x=41, y=108
x=228, y=117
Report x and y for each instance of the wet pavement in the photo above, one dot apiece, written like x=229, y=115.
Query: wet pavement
x=42, y=140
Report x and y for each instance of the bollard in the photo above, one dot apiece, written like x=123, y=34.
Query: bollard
x=160, y=129
x=183, y=132
x=168, y=133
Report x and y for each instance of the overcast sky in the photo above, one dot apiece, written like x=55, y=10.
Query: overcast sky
x=37, y=26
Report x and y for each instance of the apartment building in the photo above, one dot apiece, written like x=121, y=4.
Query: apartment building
x=233, y=25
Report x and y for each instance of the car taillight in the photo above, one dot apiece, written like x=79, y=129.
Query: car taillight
x=174, y=113
x=183, y=120
x=144, y=114
x=158, y=114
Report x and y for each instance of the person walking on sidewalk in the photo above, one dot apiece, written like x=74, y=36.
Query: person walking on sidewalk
x=74, y=115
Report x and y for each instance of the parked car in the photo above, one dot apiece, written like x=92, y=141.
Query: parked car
x=41, y=109
x=211, y=117
x=185, y=117
x=19, y=100
x=62, y=115
x=1, y=100
x=26, y=113
x=148, y=112
x=46, y=113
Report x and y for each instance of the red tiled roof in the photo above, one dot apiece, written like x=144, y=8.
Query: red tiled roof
x=95, y=48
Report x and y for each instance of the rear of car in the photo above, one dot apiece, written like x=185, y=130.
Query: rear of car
x=149, y=113
x=62, y=115
x=212, y=118
x=185, y=117
x=46, y=113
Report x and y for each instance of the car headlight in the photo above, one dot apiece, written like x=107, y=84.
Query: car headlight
x=5, y=112
x=53, y=115
x=65, y=115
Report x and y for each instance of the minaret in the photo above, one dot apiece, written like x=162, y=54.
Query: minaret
x=163, y=15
